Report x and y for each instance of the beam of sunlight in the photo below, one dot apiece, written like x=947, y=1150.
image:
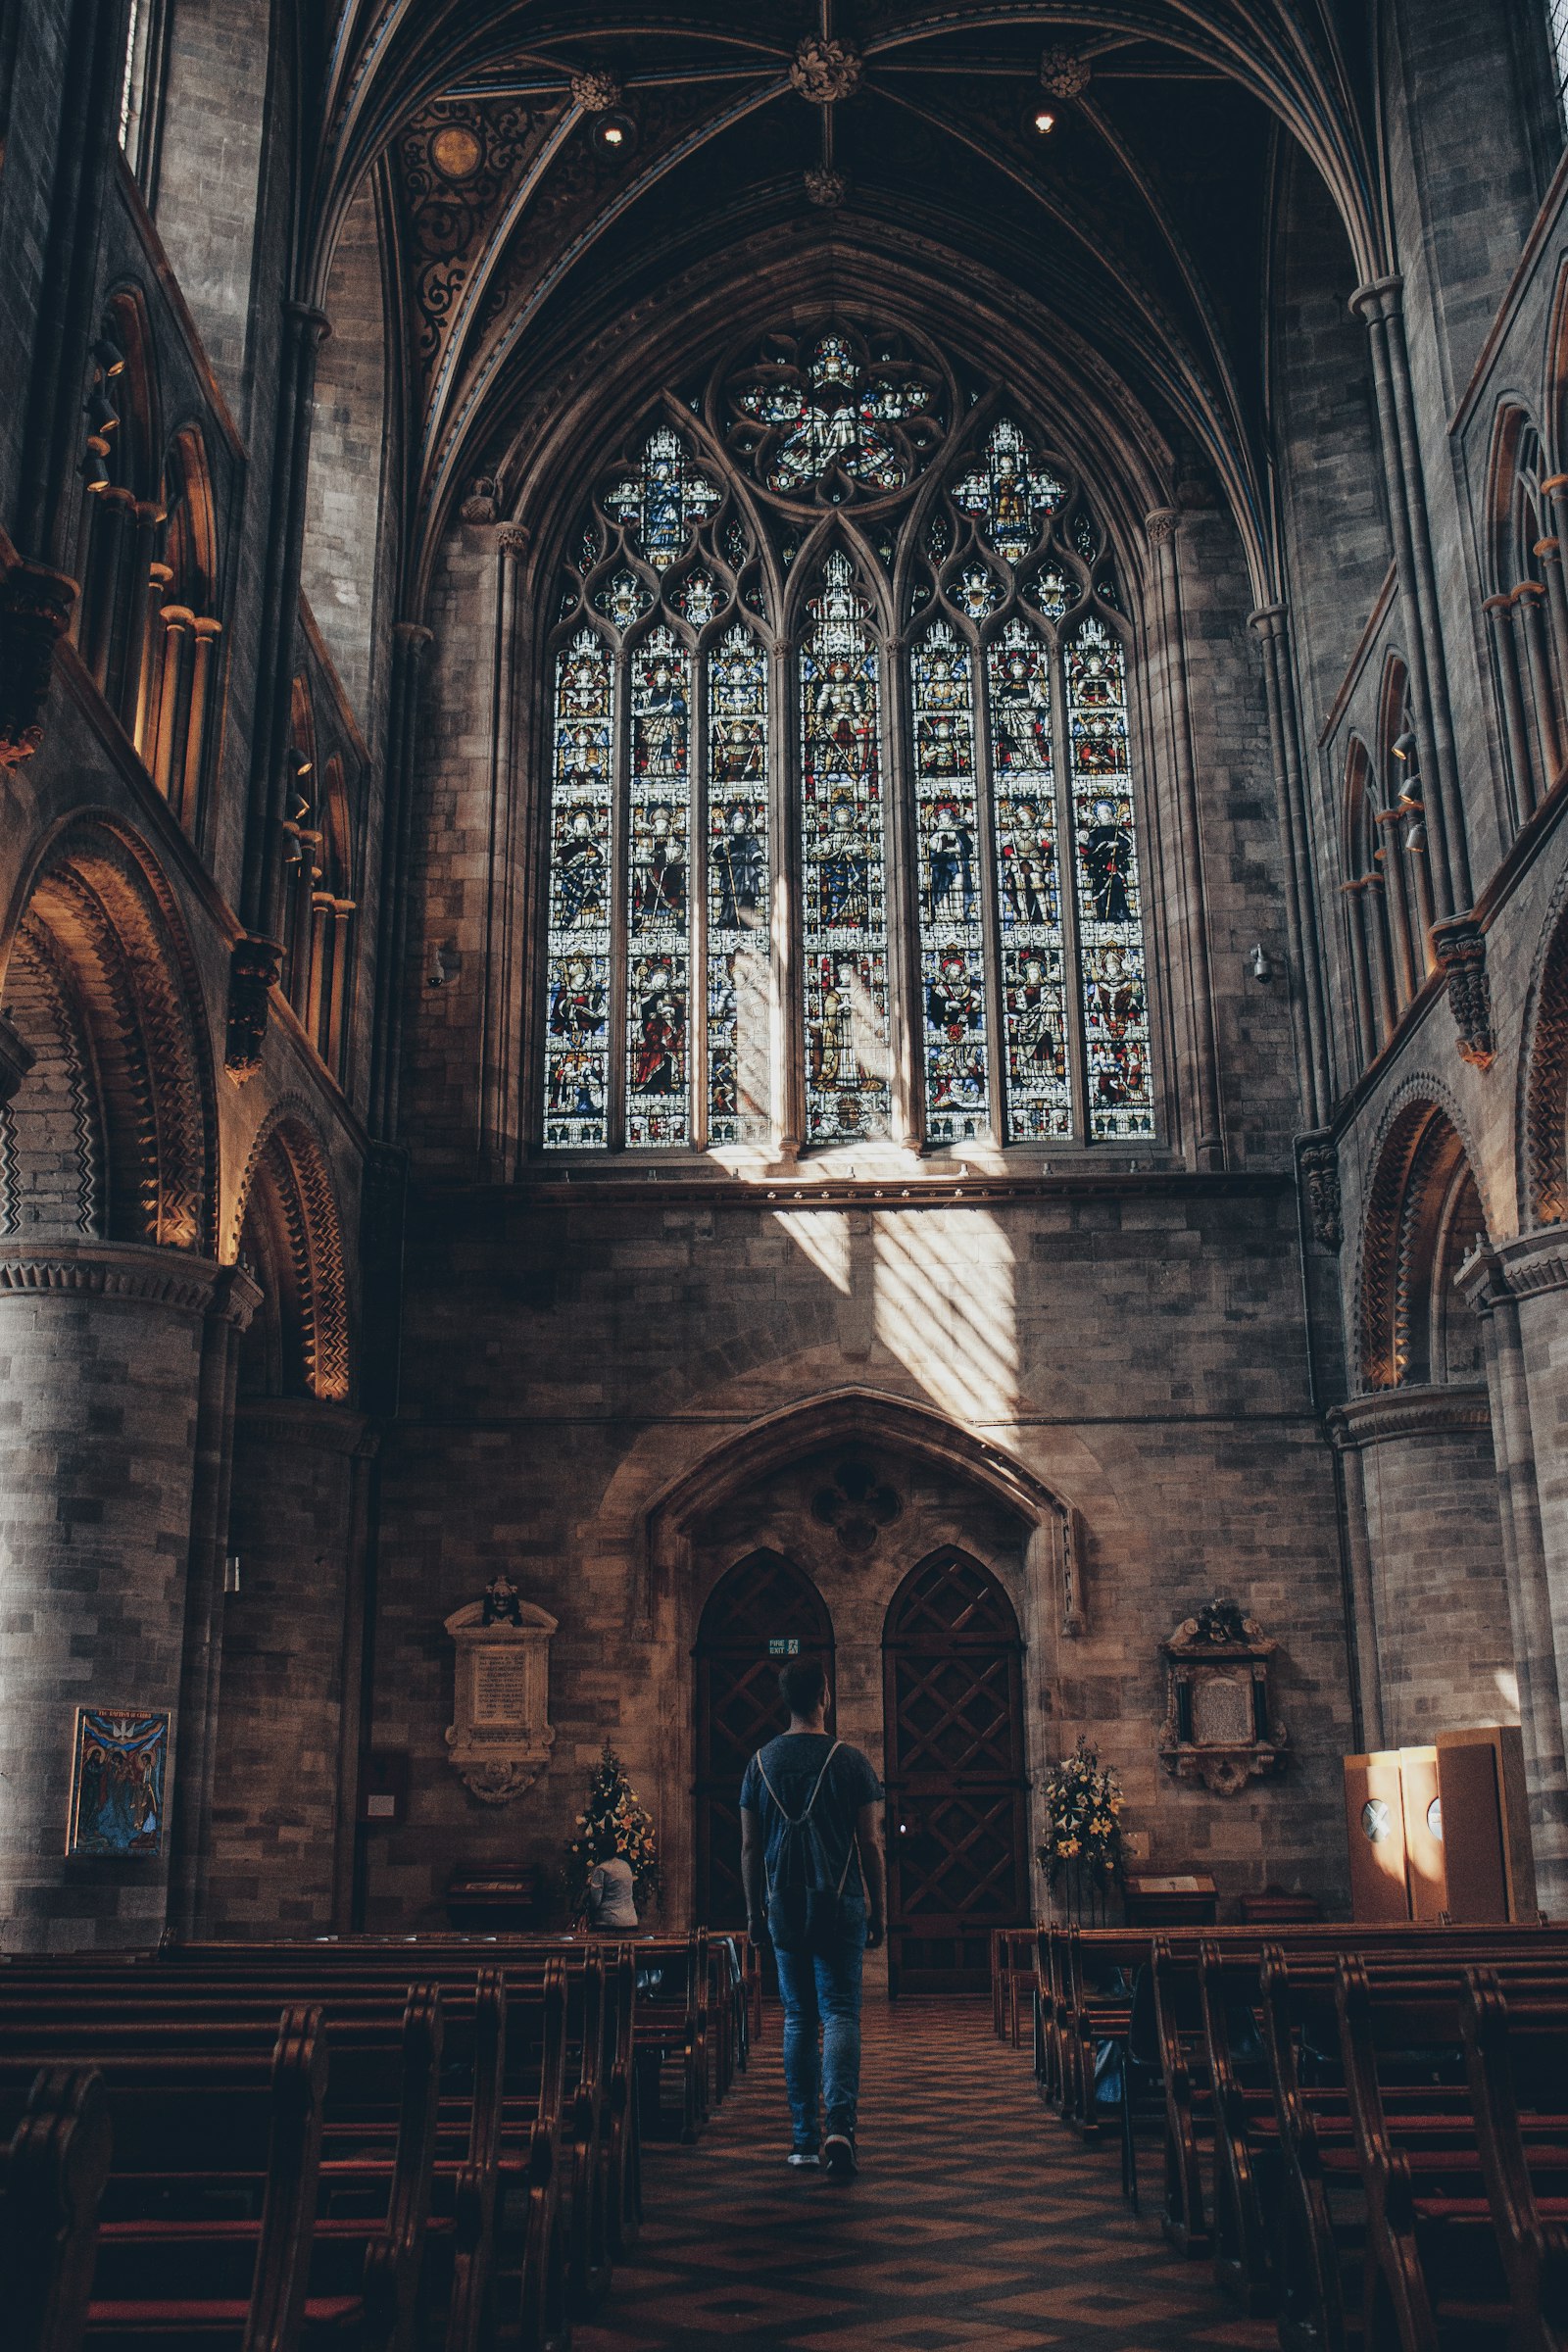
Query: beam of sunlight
x=1508, y=1684
x=823, y=1236
x=947, y=1308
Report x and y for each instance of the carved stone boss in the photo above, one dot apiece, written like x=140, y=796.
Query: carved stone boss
x=499, y=1738
x=1219, y=1721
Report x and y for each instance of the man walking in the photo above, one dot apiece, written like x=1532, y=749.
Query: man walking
x=812, y=1867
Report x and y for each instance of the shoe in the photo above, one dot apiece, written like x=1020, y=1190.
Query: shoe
x=837, y=2156
x=800, y=2158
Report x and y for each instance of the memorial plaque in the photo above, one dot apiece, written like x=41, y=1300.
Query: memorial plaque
x=500, y=1737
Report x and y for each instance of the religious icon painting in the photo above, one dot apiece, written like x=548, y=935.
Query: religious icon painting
x=661, y=502
x=120, y=1767
x=847, y=1074
x=1035, y=1003
x=1009, y=495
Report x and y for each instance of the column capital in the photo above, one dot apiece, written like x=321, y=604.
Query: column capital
x=1454, y=1408
x=132, y=1272
x=1162, y=524
x=413, y=636
x=514, y=539
x=1533, y=1264
x=1379, y=297
x=1269, y=619
x=1459, y=946
x=307, y=322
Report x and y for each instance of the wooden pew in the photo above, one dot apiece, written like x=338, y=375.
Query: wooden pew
x=496, y=2122
x=175, y=2274
x=1510, y=2053
x=52, y=2176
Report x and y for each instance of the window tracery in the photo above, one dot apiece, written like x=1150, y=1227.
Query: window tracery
x=736, y=946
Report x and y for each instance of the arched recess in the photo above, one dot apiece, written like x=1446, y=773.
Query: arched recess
x=1527, y=652
x=122, y=514
x=763, y=1606
x=955, y=1772
x=1544, y=1120
x=112, y=1134
x=1423, y=1217
x=350, y=449
x=290, y=1234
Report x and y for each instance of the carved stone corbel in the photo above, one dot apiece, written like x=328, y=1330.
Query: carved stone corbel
x=34, y=613
x=1460, y=947
x=1319, y=1161
x=252, y=973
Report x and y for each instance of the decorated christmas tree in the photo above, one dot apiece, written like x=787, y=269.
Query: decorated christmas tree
x=613, y=1823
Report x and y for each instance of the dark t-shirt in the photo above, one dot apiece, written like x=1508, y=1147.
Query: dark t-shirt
x=792, y=1763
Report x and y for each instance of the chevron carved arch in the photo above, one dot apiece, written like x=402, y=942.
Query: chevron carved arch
x=1423, y=1206
x=287, y=1223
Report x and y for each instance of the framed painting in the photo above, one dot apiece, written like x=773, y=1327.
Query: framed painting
x=119, y=1766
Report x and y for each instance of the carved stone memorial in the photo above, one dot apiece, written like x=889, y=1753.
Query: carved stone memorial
x=499, y=1738
x=1219, y=1720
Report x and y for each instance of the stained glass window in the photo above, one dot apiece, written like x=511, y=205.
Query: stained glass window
x=953, y=986
x=738, y=960
x=832, y=412
x=1039, y=1090
x=1012, y=496
x=1557, y=28
x=658, y=903
x=1019, y=923
x=661, y=502
x=581, y=801
x=1115, y=991
x=847, y=1094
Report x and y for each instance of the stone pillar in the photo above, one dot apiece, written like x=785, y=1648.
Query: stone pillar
x=410, y=640
x=1381, y=306
x=1162, y=528
x=1362, y=1594
x=189, y=799
x=500, y=1127
x=1529, y=601
x=1488, y=1281
x=179, y=620
x=1434, y=1557
x=1306, y=965
x=285, y=1783
x=106, y=1354
x=139, y=614
x=1352, y=894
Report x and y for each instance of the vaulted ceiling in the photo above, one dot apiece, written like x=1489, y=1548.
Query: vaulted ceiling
x=1136, y=230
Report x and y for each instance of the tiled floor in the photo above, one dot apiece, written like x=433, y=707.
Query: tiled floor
x=976, y=2221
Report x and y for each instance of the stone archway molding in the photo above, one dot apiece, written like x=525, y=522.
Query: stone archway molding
x=869, y=1416
x=290, y=1159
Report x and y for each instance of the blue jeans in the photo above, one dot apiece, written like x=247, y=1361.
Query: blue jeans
x=823, y=1994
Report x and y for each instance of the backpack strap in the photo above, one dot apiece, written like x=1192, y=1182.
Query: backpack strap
x=791, y=1822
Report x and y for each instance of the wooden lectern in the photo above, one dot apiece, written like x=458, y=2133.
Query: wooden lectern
x=1441, y=1833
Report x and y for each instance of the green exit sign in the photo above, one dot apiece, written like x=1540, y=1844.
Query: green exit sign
x=779, y=1648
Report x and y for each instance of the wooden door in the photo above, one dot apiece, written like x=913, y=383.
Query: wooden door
x=762, y=1611
x=957, y=1827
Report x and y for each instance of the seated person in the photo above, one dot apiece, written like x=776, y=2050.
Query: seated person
x=608, y=1905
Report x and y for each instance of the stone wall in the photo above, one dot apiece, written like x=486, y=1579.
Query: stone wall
x=1136, y=1353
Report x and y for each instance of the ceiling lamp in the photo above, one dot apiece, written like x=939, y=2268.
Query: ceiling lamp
x=615, y=135
x=1043, y=120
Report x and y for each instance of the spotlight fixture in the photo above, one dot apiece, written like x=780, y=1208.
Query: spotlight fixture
x=1043, y=118
x=614, y=134
x=436, y=971
x=1404, y=746
x=1258, y=964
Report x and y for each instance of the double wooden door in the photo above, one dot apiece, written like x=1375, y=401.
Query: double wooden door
x=765, y=1610
x=958, y=1795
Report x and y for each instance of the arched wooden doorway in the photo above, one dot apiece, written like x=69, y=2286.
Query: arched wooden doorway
x=762, y=1611
x=957, y=1830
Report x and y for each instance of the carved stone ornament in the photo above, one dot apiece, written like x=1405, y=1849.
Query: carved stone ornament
x=1460, y=947
x=500, y=1737
x=825, y=71
x=252, y=973
x=595, y=91
x=1219, y=1722
x=480, y=503
x=1063, y=73
x=826, y=187
x=35, y=613
x=1320, y=1176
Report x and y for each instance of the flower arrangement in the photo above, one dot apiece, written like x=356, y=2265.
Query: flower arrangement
x=614, y=1822
x=1082, y=1821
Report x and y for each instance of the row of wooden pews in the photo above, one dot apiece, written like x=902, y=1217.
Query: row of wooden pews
x=376, y=2143
x=1364, y=2129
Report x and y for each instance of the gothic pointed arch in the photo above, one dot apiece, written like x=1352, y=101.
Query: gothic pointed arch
x=1544, y=1105
x=288, y=1228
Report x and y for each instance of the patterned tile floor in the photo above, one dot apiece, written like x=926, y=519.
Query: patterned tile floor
x=976, y=2221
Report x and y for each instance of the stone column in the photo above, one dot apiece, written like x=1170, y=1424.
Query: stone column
x=139, y=614
x=1381, y=306
x=499, y=1074
x=1499, y=611
x=111, y=524
x=1529, y=601
x=179, y=620
x=1162, y=528
x=105, y=1363
x=206, y=633
x=1548, y=554
x=1306, y=965
x=410, y=641
x=1434, y=1557
x=1362, y=1594
x=1352, y=894
x=284, y=1793
x=1487, y=1280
